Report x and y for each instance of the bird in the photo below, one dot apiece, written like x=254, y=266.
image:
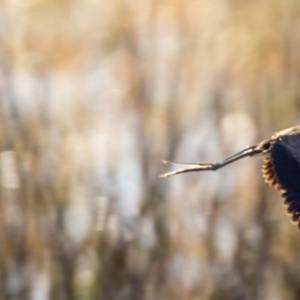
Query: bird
x=281, y=166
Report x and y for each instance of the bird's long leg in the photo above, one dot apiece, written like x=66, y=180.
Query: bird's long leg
x=249, y=151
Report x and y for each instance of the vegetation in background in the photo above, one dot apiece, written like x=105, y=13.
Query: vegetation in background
x=93, y=94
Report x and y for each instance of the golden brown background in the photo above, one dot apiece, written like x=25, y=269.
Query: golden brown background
x=93, y=94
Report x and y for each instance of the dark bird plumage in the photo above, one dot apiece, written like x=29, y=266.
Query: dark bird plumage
x=281, y=168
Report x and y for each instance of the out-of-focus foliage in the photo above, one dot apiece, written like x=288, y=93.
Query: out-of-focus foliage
x=93, y=94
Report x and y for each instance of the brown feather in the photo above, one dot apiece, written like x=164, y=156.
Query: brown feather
x=269, y=174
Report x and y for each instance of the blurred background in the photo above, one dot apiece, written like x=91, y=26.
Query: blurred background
x=93, y=94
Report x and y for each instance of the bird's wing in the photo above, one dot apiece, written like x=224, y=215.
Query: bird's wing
x=269, y=174
x=286, y=168
x=292, y=144
x=292, y=202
